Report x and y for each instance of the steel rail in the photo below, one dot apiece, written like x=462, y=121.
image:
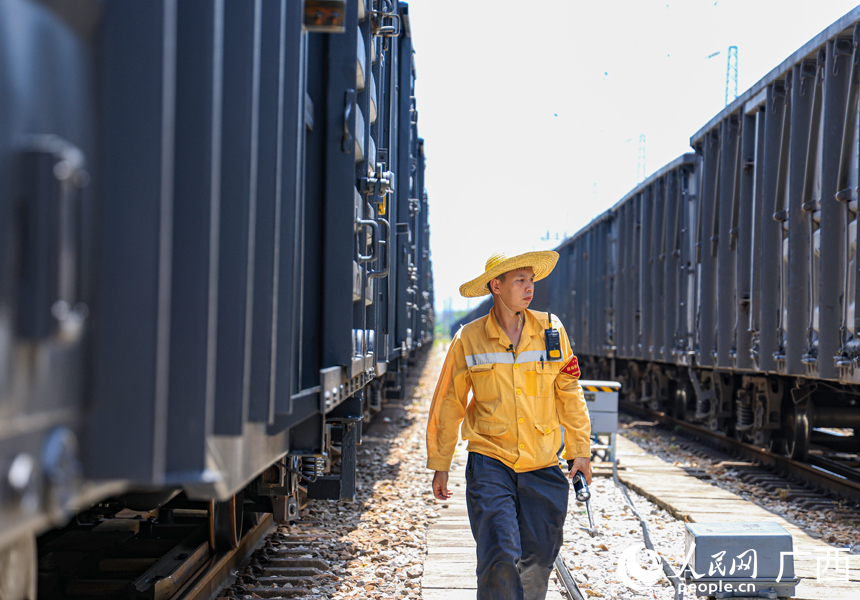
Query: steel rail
x=567, y=579
x=834, y=466
x=569, y=582
x=809, y=474
x=217, y=570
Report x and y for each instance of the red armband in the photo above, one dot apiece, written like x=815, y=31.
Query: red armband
x=572, y=367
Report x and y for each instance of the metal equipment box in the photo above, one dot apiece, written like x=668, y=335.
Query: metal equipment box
x=601, y=397
x=727, y=560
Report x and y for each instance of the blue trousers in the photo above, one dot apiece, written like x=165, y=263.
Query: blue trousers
x=517, y=521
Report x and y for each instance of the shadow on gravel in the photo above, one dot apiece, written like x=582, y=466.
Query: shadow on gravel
x=383, y=433
x=376, y=544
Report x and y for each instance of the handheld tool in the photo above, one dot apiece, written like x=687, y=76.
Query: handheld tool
x=584, y=495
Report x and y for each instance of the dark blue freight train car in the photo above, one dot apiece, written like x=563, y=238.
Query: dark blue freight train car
x=723, y=289
x=214, y=253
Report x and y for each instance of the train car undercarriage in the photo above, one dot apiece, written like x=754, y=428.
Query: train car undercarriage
x=787, y=415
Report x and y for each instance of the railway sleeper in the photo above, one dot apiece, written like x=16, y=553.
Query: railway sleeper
x=790, y=491
x=765, y=478
x=303, y=539
x=807, y=499
x=844, y=513
x=241, y=591
x=276, y=594
x=776, y=486
x=291, y=565
x=816, y=505
x=288, y=575
x=697, y=472
x=299, y=551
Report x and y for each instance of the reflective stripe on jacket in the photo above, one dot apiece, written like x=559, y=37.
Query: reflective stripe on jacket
x=518, y=402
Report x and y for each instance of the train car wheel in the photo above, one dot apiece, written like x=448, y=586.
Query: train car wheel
x=225, y=523
x=796, y=430
x=18, y=569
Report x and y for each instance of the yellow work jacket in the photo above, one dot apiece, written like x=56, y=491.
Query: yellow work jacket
x=519, y=398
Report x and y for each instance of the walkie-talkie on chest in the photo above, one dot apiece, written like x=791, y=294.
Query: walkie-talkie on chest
x=553, y=341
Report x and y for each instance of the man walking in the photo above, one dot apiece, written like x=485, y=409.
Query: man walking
x=524, y=380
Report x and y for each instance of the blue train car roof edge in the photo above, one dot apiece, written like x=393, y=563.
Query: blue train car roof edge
x=839, y=27
x=686, y=158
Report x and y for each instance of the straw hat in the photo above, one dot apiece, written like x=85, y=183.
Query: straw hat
x=542, y=262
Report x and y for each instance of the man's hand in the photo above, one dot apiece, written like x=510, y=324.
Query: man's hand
x=579, y=464
x=440, y=485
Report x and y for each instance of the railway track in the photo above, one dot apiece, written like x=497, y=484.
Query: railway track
x=824, y=470
x=567, y=580
x=167, y=554
x=174, y=553
x=110, y=553
x=221, y=565
x=162, y=554
x=288, y=565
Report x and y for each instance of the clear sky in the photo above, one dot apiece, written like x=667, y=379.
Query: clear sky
x=532, y=111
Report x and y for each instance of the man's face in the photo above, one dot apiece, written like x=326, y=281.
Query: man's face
x=517, y=289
